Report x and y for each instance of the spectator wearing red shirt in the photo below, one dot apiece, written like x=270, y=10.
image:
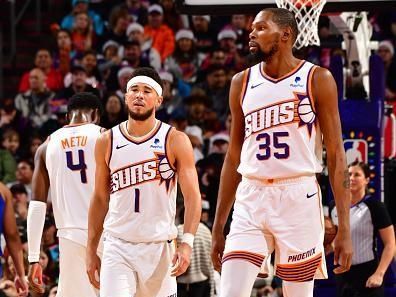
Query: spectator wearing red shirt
x=43, y=60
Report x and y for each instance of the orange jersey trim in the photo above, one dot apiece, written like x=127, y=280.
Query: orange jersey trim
x=246, y=75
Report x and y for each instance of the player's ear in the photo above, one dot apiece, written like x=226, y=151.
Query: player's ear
x=159, y=101
x=287, y=34
x=95, y=116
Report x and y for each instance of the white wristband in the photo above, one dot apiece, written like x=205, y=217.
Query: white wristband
x=189, y=239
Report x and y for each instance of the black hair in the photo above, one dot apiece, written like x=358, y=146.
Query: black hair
x=284, y=18
x=147, y=71
x=365, y=168
x=84, y=100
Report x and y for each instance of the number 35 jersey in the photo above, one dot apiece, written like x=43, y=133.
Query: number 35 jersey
x=143, y=188
x=70, y=161
x=282, y=133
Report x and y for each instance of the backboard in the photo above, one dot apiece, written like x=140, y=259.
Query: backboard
x=227, y=7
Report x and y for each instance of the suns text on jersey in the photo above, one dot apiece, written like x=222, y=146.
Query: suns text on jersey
x=134, y=174
x=270, y=116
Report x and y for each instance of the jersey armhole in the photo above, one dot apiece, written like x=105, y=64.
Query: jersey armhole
x=245, y=80
x=167, y=149
x=309, y=87
x=109, y=149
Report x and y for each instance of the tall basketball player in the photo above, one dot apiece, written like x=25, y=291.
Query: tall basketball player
x=65, y=167
x=138, y=165
x=280, y=109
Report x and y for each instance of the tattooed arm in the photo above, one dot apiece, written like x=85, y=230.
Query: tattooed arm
x=329, y=119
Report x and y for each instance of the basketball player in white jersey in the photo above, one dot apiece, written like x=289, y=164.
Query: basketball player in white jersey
x=65, y=169
x=138, y=165
x=280, y=109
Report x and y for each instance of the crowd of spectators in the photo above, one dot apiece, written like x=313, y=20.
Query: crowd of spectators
x=96, y=50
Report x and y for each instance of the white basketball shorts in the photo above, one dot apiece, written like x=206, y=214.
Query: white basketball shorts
x=73, y=278
x=284, y=215
x=137, y=269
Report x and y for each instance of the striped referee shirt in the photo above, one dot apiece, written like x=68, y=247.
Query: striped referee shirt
x=366, y=217
x=201, y=267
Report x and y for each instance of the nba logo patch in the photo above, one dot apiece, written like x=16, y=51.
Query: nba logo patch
x=356, y=150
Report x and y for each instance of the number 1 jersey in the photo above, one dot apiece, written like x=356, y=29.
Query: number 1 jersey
x=282, y=133
x=70, y=161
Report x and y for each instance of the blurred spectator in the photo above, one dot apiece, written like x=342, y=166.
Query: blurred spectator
x=210, y=179
x=227, y=40
x=114, y=112
x=216, y=87
x=43, y=61
x=24, y=175
x=198, y=280
x=82, y=34
x=239, y=23
x=89, y=63
x=197, y=107
x=172, y=18
x=79, y=84
x=171, y=97
x=218, y=143
x=162, y=37
x=109, y=59
x=64, y=53
x=20, y=203
x=118, y=23
x=57, y=120
x=133, y=55
x=10, y=141
x=135, y=32
x=82, y=6
x=123, y=75
x=185, y=60
x=34, y=103
x=196, y=137
x=137, y=11
x=131, y=58
x=7, y=166
x=386, y=51
x=12, y=118
x=205, y=37
x=205, y=214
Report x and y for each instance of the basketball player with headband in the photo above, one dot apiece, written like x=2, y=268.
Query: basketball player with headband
x=281, y=108
x=139, y=164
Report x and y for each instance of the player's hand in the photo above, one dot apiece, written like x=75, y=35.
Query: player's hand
x=375, y=280
x=181, y=259
x=342, y=251
x=218, y=243
x=35, y=278
x=21, y=286
x=93, y=269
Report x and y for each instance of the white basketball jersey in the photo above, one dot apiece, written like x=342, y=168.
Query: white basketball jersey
x=282, y=133
x=143, y=187
x=71, y=167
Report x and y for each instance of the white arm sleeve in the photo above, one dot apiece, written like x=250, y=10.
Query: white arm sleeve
x=35, y=225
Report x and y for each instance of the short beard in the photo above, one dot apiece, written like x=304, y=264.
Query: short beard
x=140, y=117
x=260, y=56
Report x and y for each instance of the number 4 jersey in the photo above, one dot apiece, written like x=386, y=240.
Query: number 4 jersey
x=282, y=133
x=70, y=161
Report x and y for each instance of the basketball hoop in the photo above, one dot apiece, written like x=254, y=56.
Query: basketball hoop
x=307, y=14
